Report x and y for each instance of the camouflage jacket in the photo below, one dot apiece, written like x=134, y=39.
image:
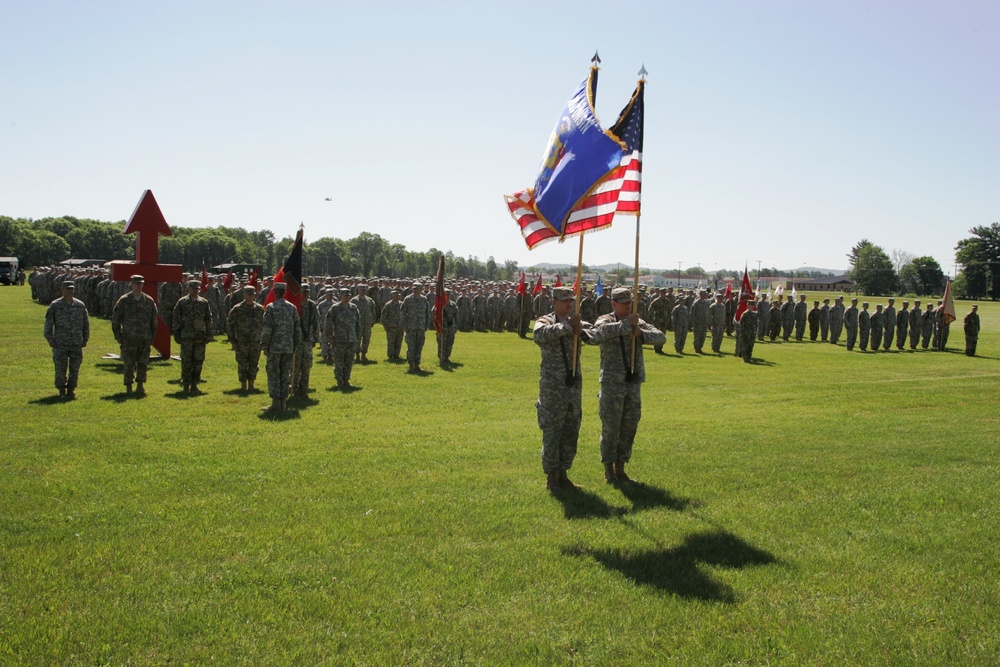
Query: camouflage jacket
x=245, y=323
x=192, y=320
x=343, y=324
x=366, y=310
x=555, y=338
x=614, y=336
x=280, y=332
x=416, y=312
x=392, y=315
x=133, y=318
x=67, y=324
x=309, y=320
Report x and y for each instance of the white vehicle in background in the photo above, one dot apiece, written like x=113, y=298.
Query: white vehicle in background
x=8, y=270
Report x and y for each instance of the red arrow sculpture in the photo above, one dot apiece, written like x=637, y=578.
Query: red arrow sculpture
x=147, y=223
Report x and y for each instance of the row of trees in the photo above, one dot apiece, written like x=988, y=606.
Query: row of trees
x=879, y=274
x=51, y=240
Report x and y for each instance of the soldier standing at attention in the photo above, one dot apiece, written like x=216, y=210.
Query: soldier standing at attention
x=851, y=324
x=134, y=323
x=620, y=396
x=699, y=320
x=814, y=318
x=836, y=319
x=416, y=316
x=864, y=325
x=309, y=321
x=392, y=322
x=824, y=320
x=801, y=314
x=972, y=331
x=878, y=327
x=717, y=319
x=322, y=308
x=787, y=318
x=67, y=329
x=280, y=335
x=244, y=325
x=449, y=325
x=902, y=323
x=927, y=326
x=343, y=330
x=680, y=321
x=889, y=323
x=916, y=325
x=746, y=336
x=366, y=310
x=192, y=320
x=763, y=316
x=559, y=389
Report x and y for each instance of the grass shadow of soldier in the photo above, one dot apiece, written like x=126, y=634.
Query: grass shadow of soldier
x=678, y=570
x=48, y=400
x=122, y=397
x=350, y=389
x=116, y=367
x=302, y=402
x=646, y=496
x=423, y=372
x=756, y=361
x=579, y=503
x=287, y=414
x=451, y=366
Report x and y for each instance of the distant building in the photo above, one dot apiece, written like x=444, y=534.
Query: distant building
x=830, y=284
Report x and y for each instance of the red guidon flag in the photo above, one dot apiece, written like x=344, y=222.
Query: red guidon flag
x=746, y=293
x=439, y=296
x=291, y=275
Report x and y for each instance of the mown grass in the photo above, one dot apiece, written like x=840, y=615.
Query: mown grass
x=820, y=507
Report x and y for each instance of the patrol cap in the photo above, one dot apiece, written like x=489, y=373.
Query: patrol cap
x=305, y=287
x=906, y=303
x=417, y=283
x=250, y=289
x=975, y=306
x=68, y=284
x=194, y=283
x=137, y=279
x=344, y=290
x=279, y=287
x=621, y=295
x=562, y=293
x=363, y=286
x=395, y=291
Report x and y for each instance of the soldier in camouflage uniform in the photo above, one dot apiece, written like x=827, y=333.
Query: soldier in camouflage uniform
x=851, y=318
x=814, y=318
x=280, y=335
x=801, y=316
x=303, y=359
x=621, y=383
x=392, y=322
x=559, y=387
x=787, y=317
x=449, y=325
x=343, y=331
x=747, y=333
x=366, y=309
x=824, y=320
x=416, y=316
x=837, y=314
x=864, y=326
x=763, y=316
x=192, y=319
x=245, y=322
x=679, y=319
x=902, y=325
x=916, y=324
x=889, y=324
x=168, y=294
x=67, y=330
x=323, y=308
x=699, y=320
x=134, y=323
x=971, y=328
x=878, y=327
x=524, y=305
x=927, y=326
x=717, y=320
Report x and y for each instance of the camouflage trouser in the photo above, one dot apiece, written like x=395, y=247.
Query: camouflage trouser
x=800, y=329
x=279, y=374
x=445, y=346
x=192, y=358
x=876, y=338
x=970, y=345
x=718, y=333
x=621, y=409
x=366, y=338
x=135, y=356
x=247, y=360
x=393, y=342
x=414, y=345
x=824, y=330
x=852, y=337
x=68, y=361
x=835, y=330
x=813, y=330
x=900, y=337
x=303, y=366
x=863, y=335
x=680, y=336
x=887, y=343
x=786, y=328
x=324, y=347
x=945, y=330
x=700, y=332
x=559, y=417
x=914, y=337
x=925, y=337
x=746, y=348
x=343, y=361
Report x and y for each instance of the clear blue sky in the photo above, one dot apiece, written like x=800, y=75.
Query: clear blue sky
x=776, y=131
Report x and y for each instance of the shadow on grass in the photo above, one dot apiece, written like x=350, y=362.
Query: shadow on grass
x=242, y=392
x=49, y=400
x=348, y=390
x=678, y=570
x=116, y=367
x=423, y=372
x=122, y=397
x=269, y=415
x=451, y=366
x=647, y=496
x=582, y=504
x=302, y=403
x=755, y=361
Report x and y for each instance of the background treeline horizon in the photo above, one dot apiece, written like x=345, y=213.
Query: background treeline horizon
x=48, y=241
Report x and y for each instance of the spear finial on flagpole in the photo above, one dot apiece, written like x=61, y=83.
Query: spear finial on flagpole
x=596, y=60
x=642, y=72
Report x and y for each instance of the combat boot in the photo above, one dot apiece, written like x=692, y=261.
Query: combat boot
x=62, y=392
x=128, y=389
x=71, y=394
x=250, y=385
x=620, y=472
x=284, y=404
x=140, y=390
x=609, y=473
x=243, y=385
x=564, y=481
x=552, y=481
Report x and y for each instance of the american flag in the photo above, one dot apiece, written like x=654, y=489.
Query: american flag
x=617, y=193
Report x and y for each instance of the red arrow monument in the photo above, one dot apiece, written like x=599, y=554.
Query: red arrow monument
x=147, y=224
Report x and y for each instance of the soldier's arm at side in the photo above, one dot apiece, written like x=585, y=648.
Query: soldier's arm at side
x=650, y=334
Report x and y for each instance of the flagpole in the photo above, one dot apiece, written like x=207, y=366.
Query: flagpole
x=635, y=284
x=579, y=291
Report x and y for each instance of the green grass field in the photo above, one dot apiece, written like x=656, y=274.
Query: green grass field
x=820, y=507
